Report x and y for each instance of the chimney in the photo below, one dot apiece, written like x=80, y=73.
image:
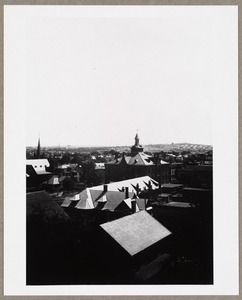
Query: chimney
x=160, y=187
x=137, y=189
x=133, y=206
x=126, y=192
x=150, y=210
x=105, y=188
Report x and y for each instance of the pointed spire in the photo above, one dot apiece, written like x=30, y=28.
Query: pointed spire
x=38, y=149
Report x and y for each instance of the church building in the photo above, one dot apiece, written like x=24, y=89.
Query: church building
x=137, y=164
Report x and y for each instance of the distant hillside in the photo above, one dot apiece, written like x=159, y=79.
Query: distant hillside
x=178, y=147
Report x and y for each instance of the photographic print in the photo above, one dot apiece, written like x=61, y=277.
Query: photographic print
x=120, y=125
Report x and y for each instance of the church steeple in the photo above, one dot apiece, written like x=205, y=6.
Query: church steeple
x=38, y=149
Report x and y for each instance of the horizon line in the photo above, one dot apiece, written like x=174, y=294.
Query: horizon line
x=101, y=146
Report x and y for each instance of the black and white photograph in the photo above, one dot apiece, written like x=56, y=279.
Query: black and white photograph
x=123, y=120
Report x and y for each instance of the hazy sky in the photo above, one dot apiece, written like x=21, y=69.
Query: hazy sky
x=94, y=78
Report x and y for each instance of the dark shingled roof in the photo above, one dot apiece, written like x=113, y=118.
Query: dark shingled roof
x=136, y=232
x=140, y=159
x=40, y=203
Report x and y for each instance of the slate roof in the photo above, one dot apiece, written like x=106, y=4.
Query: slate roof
x=40, y=203
x=91, y=197
x=54, y=180
x=110, y=199
x=85, y=201
x=138, y=159
x=136, y=232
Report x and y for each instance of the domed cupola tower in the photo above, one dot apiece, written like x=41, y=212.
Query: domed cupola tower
x=137, y=147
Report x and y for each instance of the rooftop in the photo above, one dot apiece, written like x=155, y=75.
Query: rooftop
x=41, y=203
x=136, y=232
x=177, y=204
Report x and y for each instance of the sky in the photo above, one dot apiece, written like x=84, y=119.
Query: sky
x=92, y=78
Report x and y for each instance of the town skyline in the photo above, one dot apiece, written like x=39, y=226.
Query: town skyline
x=97, y=146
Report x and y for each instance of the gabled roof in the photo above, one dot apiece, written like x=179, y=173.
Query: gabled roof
x=136, y=232
x=92, y=199
x=40, y=203
x=85, y=201
x=139, y=159
x=129, y=204
x=115, y=194
x=54, y=180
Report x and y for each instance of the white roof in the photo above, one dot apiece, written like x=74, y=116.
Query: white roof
x=130, y=183
x=136, y=232
x=39, y=165
x=38, y=162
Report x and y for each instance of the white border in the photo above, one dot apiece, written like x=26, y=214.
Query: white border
x=225, y=133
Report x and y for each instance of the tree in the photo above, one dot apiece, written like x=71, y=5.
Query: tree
x=65, y=159
x=68, y=184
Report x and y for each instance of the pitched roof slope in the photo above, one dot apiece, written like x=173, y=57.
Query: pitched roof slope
x=130, y=183
x=110, y=199
x=139, y=159
x=90, y=197
x=40, y=203
x=136, y=232
x=54, y=180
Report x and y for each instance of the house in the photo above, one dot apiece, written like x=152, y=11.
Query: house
x=91, y=197
x=136, y=232
x=109, y=201
x=197, y=176
x=138, y=243
x=54, y=183
x=137, y=164
x=36, y=172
